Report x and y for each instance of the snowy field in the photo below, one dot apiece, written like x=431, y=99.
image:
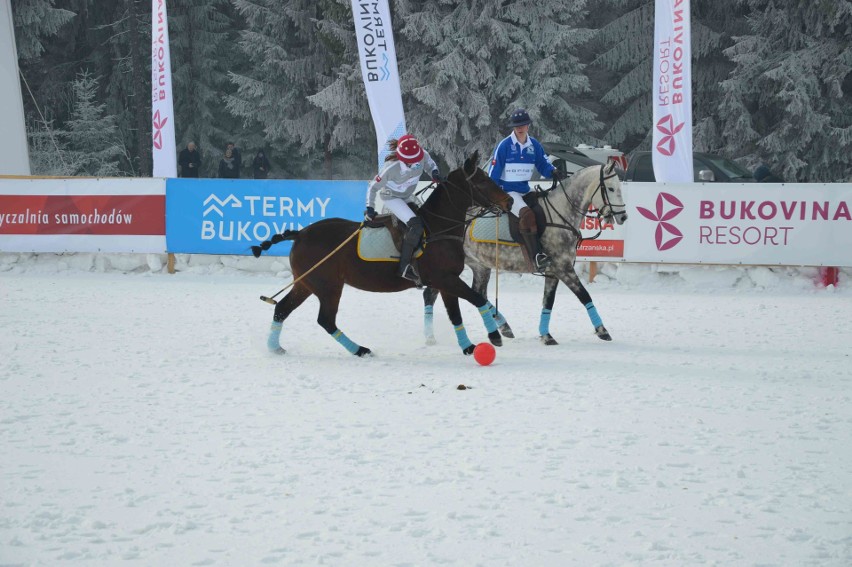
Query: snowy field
x=142, y=422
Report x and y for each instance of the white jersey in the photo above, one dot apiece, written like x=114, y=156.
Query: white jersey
x=398, y=180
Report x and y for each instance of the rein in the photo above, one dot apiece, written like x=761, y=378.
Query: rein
x=441, y=235
x=551, y=210
x=272, y=301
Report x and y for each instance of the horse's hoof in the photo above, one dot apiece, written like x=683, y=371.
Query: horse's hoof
x=431, y=341
x=468, y=350
x=602, y=333
x=495, y=338
x=363, y=351
x=278, y=350
x=548, y=340
x=506, y=331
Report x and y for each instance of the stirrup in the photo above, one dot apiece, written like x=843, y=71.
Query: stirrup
x=411, y=274
x=542, y=262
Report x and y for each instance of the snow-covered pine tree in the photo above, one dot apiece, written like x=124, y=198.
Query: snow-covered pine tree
x=92, y=146
x=292, y=56
x=201, y=34
x=788, y=103
x=626, y=44
x=34, y=21
x=46, y=154
x=351, y=141
x=118, y=46
x=466, y=65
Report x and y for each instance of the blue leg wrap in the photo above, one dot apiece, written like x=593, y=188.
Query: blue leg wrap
x=498, y=317
x=274, y=335
x=487, y=314
x=345, y=341
x=544, y=322
x=461, y=336
x=428, y=318
x=593, y=315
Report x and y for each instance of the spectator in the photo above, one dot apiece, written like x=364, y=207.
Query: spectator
x=238, y=157
x=228, y=166
x=260, y=165
x=189, y=161
x=763, y=175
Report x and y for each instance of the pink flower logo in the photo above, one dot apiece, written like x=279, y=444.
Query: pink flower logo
x=668, y=207
x=158, y=123
x=666, y=126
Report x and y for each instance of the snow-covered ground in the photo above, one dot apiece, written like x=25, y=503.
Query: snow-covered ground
x=142, y=422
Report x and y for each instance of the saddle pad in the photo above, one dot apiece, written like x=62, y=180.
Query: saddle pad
x=376, y=245
x=484, y=229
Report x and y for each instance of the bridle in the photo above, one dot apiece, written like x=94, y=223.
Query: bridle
x=608, y=208
x=473, y=191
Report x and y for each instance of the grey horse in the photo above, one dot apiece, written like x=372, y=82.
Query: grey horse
x=564, y=207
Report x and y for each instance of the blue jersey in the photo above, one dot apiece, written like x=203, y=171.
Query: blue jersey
x=512, y=163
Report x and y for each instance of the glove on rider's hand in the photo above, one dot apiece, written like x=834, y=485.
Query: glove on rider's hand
x=370, y=214
x=437, y=177
x=558, y=174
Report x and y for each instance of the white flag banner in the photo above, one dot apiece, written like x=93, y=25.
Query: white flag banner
x=379, y=71
x=672, y=92
x=14, y=152
x=162, y=107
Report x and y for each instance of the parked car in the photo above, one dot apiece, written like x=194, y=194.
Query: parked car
x=705, y=167
x=572, y=159
x=567, y=158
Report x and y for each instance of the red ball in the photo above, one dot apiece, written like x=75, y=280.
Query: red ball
x=484, y=353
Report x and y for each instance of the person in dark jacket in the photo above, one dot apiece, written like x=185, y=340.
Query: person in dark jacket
x=763, y=175
x=228, y=166
x=238, y=157
x=189, y=161
x=260, y=165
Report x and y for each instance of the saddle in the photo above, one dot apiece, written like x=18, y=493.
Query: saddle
x=393, y=226
x=385, y=244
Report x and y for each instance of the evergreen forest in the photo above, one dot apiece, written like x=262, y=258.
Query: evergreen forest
x=772, y=81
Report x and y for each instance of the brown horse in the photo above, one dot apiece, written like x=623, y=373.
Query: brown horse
x=442, y=262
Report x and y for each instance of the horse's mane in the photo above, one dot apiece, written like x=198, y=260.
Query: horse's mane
x=590, y=177
x=580, y=179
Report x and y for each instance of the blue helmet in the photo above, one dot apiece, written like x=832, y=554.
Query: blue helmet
x=520, y=117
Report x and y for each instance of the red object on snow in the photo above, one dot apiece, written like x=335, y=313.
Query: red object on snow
x=828, y=275
x=484, y=354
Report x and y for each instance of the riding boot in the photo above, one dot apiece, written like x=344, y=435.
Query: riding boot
x=538, y=260
x=410, y=242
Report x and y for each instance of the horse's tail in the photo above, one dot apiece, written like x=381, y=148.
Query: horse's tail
x=286, y=235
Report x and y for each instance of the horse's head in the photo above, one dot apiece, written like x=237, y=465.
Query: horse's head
x=483, y=190
x=607, y=198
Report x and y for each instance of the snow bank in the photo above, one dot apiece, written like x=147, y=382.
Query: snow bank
x=663, y=276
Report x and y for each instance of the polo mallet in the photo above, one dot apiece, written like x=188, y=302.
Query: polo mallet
x=497, y=267
x=271, y=300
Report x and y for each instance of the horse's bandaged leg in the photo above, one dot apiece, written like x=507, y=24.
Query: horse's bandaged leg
x=593, y=315
x=544, y=322
x=487, y=314
x=345, y=341
x=272, y=341
x=428, y=318
x=499, y=319
x=461, y=336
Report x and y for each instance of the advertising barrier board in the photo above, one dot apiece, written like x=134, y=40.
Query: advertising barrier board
x=82, y=215
x=802, y=224
x=228, y=216
x=601, y=241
